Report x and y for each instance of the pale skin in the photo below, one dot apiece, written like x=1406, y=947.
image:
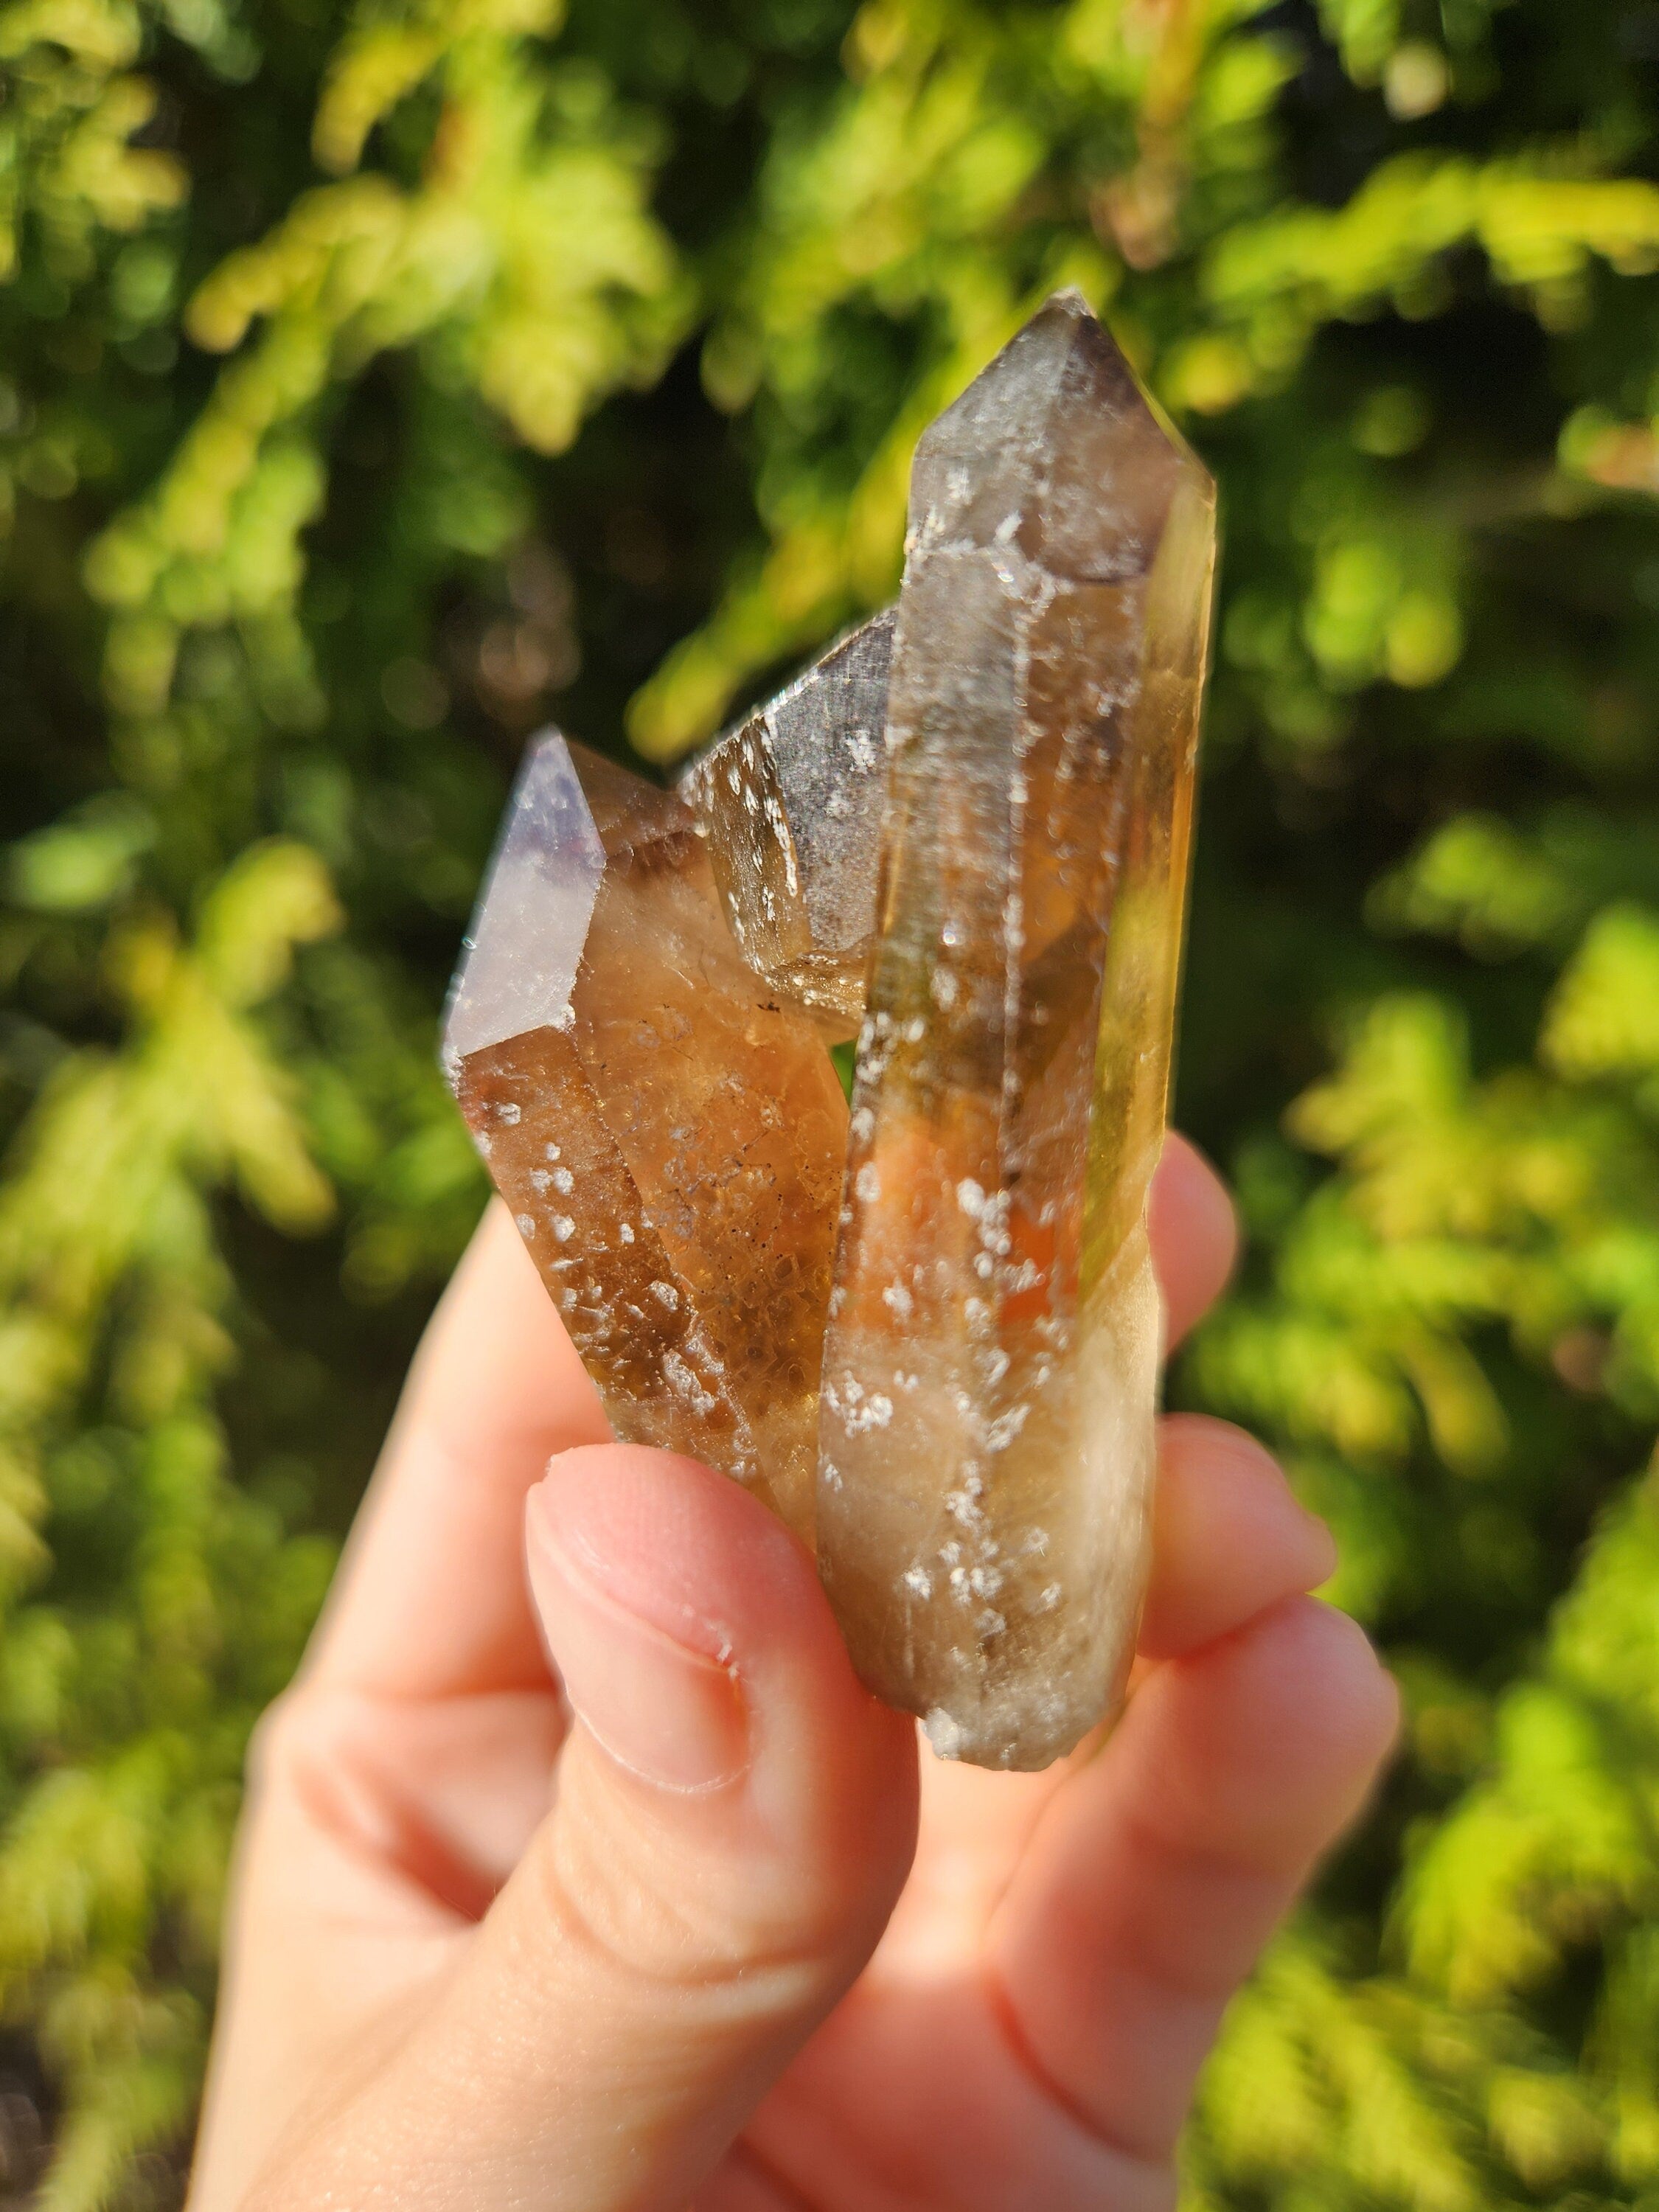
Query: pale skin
x=581, y=1874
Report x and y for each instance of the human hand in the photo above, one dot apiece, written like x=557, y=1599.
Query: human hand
x=679, y=1927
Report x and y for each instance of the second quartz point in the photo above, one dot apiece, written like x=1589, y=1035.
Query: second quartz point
x=790, y=802
x=669, y=1139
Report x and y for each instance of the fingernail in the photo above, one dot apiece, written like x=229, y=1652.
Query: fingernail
x=672, y=1714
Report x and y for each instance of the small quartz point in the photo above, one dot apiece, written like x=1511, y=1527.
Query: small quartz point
x=990, y=1369
x=791, y=804
x=668, y=1136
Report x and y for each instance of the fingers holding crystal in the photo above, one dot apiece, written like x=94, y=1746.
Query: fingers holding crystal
x=732, y=1819
x=1161, y=1868
x=735, y=1816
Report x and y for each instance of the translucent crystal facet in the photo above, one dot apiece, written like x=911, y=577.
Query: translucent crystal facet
x=791, y=804
x=991, y=1358
x=668, y=1138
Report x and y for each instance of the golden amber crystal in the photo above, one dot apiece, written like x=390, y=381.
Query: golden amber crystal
x=668, y=1138
x=990, y=1370
x=977, y=820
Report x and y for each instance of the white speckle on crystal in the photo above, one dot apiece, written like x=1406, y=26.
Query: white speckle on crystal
x=564, y=1227
x=919, y=1582
x=867, y=1183
x=526, y=1225
x=898, y=1300
x=509, y=1112
x=666, y=1295
x=684, y=1384
x=863, y=1413
x=1006, y=1427
x=563, y=1182
x=550, y=1151
x=971, y=1197
x=947, y=1736
x=625, y=1234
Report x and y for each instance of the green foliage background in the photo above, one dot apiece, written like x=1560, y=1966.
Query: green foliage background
x=376, y=380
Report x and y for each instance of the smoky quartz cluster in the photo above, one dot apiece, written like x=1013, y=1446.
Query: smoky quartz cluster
x=924, y=1329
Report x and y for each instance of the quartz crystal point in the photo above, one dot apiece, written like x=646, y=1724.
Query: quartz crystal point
x=668, y=1138
x=791, y=804
x=990, y=1366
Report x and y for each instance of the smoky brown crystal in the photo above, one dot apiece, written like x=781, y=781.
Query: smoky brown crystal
x=963, y=834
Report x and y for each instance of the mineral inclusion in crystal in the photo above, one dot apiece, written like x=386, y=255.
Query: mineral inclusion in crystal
x=969, y=828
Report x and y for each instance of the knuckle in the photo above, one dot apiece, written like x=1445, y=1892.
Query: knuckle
x=295, y=1746
x=270, y=1746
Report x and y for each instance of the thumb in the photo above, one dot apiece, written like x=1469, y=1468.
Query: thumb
x=734, y=1816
